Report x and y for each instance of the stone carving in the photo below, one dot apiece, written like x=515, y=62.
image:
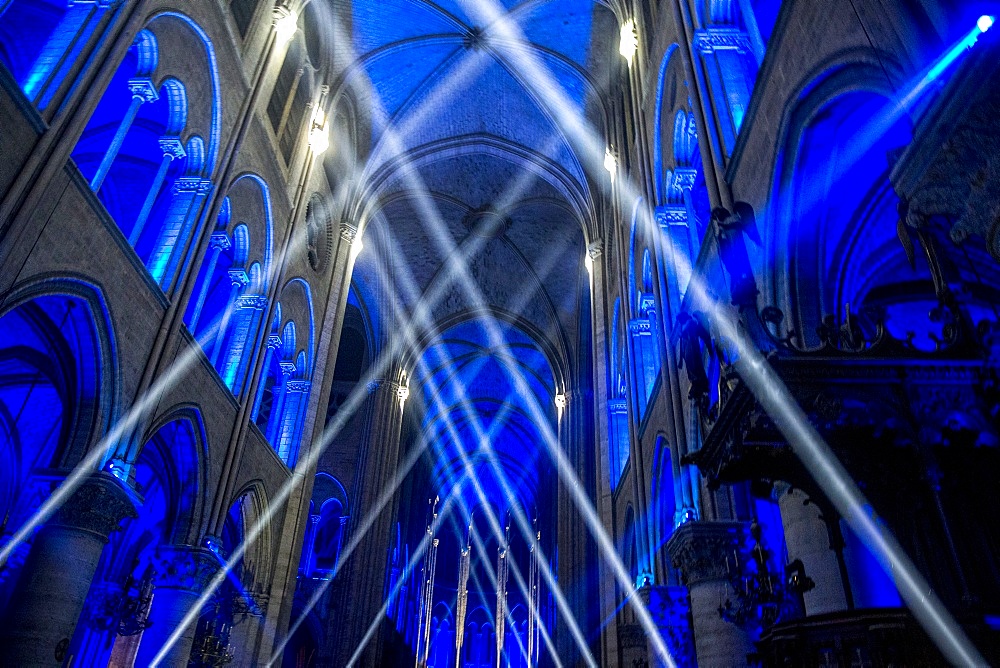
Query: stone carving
x=184, y=567
x=705, y=551
x=99, y=505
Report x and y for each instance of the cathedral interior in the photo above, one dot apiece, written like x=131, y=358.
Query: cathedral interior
x=499, y=333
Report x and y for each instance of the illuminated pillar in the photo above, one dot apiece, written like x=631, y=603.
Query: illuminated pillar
x=603, y=458
x=308, y=559
x=276, y=419
x=296, y=397
x=182, y=574
x=220, y=241
x=705, y=554
x=143, y=91
x=186, y=198
x=49, y=596
x=273, y=344
x=239, y=280
x=807, y=538
x=377, y=466
x=172, y=149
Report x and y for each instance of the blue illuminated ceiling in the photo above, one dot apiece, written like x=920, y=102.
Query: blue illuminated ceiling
x=466, y=158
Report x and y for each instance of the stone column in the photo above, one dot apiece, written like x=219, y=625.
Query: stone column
x=49, y=596
x=182, y=574
x=367, y=564
x=807, y=539
x=705, y=553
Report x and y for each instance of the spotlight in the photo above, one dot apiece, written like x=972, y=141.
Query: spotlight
x=629, y=41
x=610, y=163
x=286, y=22
x=319, y=140
x=984, y=23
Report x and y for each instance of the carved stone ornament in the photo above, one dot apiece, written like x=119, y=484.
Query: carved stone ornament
x=705, y=551
x=184, y=567
x=98, y=505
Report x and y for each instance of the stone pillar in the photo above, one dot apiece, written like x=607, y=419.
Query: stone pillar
x=49, y=596
x=807, y=539
x=705, y=553
x=367, y=564
x=182, y=574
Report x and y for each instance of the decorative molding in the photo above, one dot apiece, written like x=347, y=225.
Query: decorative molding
x=348, y=232
x=251, y=301
x=639, y=326
x=617, y=406
x=239, y=277
x=684, y=178
x=721, y=38
x=298, y=385
x=594, y=249
x=671, y=214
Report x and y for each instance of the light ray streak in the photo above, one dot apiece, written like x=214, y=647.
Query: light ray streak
x=356, y=538
x=419, y=321
x=350, y=406
x=417, y=554
x=119, y=432
x=475, y=296
x=927, y=608
x=408, y=285
x=844, y=493
x=492, y=520
x=523, y=524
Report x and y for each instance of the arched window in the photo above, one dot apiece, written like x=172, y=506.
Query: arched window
x=227, y=307
x=325, y=531
x=618, y=433
x=51, y=386
x=283, y=394
x=731, y=61
x=149, y=148
x=292, y=95
x=643, y=328
x=40, y=40
x=166, y=473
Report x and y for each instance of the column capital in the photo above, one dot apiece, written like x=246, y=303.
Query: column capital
x=298, y=385
x=706, y=551
x=184, y=567
x=97, y=506
x=595, y=248
x=172, y=147
x=348, y=232
x=220, y=241
x=142, y=88
x=239, y=277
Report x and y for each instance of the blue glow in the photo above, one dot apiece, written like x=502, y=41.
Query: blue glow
x=951, y=56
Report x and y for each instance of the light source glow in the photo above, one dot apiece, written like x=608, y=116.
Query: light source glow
x=286, y=22
x=319, y=140
x=629, y=41
x=610, y=163
x=984, y=23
